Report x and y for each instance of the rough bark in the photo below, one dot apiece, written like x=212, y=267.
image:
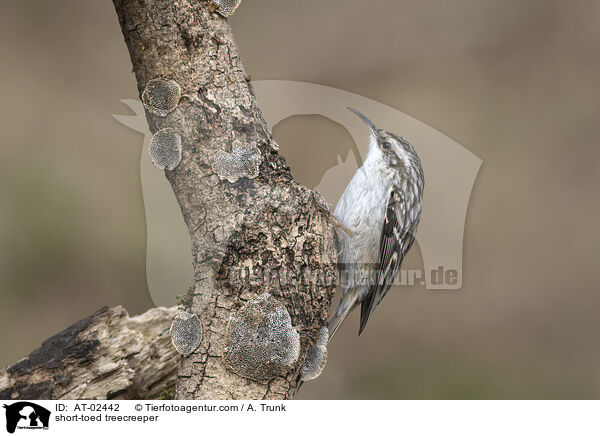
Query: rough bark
x=244, y=211
x=107, y=355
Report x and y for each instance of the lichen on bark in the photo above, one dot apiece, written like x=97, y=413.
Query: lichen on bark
x=260, y=341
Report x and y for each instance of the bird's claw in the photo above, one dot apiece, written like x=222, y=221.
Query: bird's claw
x=334, y=222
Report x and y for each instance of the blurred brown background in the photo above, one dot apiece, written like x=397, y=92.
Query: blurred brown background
x=517, y=83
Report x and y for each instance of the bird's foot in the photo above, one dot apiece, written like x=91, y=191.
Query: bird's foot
x=322, y=204
x=334, y=222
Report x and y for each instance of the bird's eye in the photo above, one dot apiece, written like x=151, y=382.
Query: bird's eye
x=386, y=145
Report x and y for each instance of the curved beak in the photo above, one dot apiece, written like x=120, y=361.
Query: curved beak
x=367, y=121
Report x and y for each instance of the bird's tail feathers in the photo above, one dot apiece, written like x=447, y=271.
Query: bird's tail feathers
x=344, y=308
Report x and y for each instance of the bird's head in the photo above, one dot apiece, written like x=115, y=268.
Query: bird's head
x=396, y=152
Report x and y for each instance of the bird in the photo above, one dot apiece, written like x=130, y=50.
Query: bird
x=380, y=210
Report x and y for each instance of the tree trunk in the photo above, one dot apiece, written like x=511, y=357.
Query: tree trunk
x=262, y=248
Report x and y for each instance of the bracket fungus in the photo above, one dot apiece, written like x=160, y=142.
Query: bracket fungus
x=316, y=357
x=165, y=149
x=186, y=333
x=242, y=162
x=260, y=342
x=227, y=7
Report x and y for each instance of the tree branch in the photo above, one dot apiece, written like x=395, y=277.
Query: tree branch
x=107, y=355
x=246, y=215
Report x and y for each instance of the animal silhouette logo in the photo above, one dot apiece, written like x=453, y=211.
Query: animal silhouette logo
x=450, y=169
x=26, y=415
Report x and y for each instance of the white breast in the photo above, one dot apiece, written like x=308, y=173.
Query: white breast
x=362, y=209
